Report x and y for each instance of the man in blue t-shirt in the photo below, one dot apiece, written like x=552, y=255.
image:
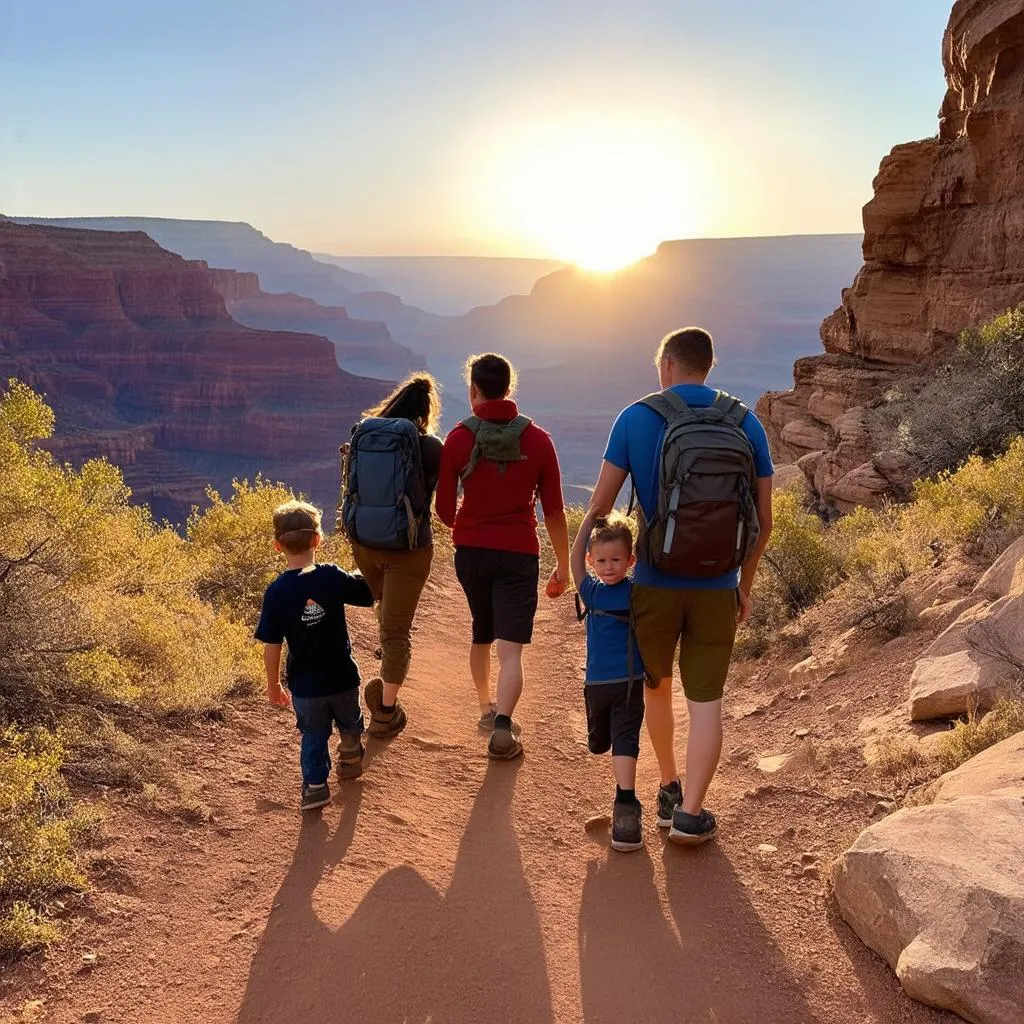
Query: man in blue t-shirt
x=699, y=615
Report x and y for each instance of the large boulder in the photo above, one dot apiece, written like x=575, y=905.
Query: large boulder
x=998, y=771
x=939, y=893
x=1005, y=577
x=971, y=664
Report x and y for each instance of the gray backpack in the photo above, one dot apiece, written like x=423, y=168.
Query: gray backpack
x=495, y=442
x=385, y=496
x=705, y=520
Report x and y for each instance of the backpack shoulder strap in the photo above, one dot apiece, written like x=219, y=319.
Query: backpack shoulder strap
x=733, y=411
x=519, y=424
x=669, y=406
x=472, y=424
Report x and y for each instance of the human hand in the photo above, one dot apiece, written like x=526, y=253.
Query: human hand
x=746, y=606
x=278, y=696
x=558, y=582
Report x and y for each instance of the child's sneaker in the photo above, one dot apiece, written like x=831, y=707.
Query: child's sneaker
x=315, y=796
x=350, y=757
x=691, y=829
x=383, y=723
x=627, y=827
x=669, y=798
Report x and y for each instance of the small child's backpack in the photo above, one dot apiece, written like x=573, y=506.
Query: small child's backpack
x=385, y=489
x=495, y=442
x=705, y=520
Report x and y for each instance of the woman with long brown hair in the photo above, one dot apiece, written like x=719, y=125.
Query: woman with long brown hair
x=397, y=577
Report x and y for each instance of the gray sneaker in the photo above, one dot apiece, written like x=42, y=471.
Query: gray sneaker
x=504, y=745
x=627, y=827
x=315, y=796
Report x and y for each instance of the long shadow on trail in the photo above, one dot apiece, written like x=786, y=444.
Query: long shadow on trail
x=408, y=954
x=719, y=965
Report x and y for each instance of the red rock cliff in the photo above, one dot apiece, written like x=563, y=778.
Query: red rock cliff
x=943, y=251
x=135, y=349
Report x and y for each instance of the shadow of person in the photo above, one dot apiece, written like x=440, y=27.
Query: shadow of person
x=730, y=969
x=406, y=954
x=630, y=966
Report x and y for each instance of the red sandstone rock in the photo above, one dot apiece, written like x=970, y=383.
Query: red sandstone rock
x=943, y=250
x=134, y=348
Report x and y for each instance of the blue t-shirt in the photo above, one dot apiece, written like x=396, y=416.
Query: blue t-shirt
x=635, y=446
x=306, y=607
x=608, y=637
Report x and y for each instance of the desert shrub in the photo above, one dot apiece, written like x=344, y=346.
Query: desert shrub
x=38, y=833
x=972, y=735
x=972, y=405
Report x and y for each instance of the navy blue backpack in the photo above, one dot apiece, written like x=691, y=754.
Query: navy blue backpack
x=385, y=489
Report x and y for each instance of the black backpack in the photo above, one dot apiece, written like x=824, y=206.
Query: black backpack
x=704, y=522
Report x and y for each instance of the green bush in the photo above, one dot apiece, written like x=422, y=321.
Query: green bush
x=972, y=735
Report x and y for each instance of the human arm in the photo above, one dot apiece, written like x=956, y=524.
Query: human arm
x=606, y=490
x=276, y=694
x=578, y=555
x=749, y=570
x=354, y=590
x=448, y=482
x=549, y=489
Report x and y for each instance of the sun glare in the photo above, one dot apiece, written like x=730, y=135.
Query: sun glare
x=598, y=195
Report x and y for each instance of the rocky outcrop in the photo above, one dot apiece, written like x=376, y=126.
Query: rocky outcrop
x=363, y=347
x=977, y=659
x=134, y=348
x=943, y=251
x=938, y=893
x=998, y=771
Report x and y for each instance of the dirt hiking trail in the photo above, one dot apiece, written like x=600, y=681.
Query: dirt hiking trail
x=443, y=887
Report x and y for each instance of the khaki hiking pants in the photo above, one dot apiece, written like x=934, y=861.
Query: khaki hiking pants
x=397, y=579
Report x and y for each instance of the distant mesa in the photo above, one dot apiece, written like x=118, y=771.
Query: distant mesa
x=943, y=251
x=134, y=348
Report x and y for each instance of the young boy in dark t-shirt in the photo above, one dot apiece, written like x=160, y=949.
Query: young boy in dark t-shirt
x=613, y=690
x=305, y=605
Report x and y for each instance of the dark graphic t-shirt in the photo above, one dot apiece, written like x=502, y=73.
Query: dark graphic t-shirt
x=306, y=607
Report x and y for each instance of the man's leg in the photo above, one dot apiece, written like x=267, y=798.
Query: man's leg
x=657, y=622
x=480, y=667
x=510, y=676
x=704, y=655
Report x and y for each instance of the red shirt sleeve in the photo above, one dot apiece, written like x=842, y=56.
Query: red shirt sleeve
x=448, y=479
x=549, y=484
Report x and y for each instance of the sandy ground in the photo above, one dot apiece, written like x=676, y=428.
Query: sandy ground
x=442, y=887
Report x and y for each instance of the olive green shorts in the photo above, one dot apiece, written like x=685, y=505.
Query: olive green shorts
x=702, y=623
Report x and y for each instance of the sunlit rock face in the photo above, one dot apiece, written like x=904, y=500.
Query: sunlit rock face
x=943, y=251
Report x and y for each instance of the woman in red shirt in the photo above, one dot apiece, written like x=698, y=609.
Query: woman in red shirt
x=505, y=464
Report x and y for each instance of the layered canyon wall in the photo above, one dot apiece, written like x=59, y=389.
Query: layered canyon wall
x=134, y=348
x=943, y=251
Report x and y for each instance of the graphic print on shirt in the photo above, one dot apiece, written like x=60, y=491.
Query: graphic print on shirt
x=312, y=613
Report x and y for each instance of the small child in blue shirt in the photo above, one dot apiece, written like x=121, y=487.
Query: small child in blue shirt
x=613, y=690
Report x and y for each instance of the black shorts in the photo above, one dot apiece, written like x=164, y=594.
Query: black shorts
x=501, y=588
x=615, y=713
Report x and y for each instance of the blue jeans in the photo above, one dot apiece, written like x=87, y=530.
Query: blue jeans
x=315, y=718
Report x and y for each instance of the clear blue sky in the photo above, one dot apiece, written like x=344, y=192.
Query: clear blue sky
x=462, y=125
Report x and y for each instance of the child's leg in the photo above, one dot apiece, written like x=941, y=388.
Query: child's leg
x=625, y=772
x=627, y=716
x=313, y=720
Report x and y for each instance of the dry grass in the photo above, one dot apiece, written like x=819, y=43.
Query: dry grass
x=974, y=734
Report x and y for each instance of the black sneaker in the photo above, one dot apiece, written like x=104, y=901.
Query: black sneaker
x=691, y=829
x=627, y=829
x=315, y=796
x=669, y=798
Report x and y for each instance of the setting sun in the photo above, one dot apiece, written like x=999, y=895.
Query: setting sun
x=597, y=194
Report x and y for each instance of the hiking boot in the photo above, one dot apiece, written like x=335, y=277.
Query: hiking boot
x=504, y=745
x=669, y=797
x=315, y=796
x=627, y=829
x=691, y=829
x=383, y=723
x=350, y=757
